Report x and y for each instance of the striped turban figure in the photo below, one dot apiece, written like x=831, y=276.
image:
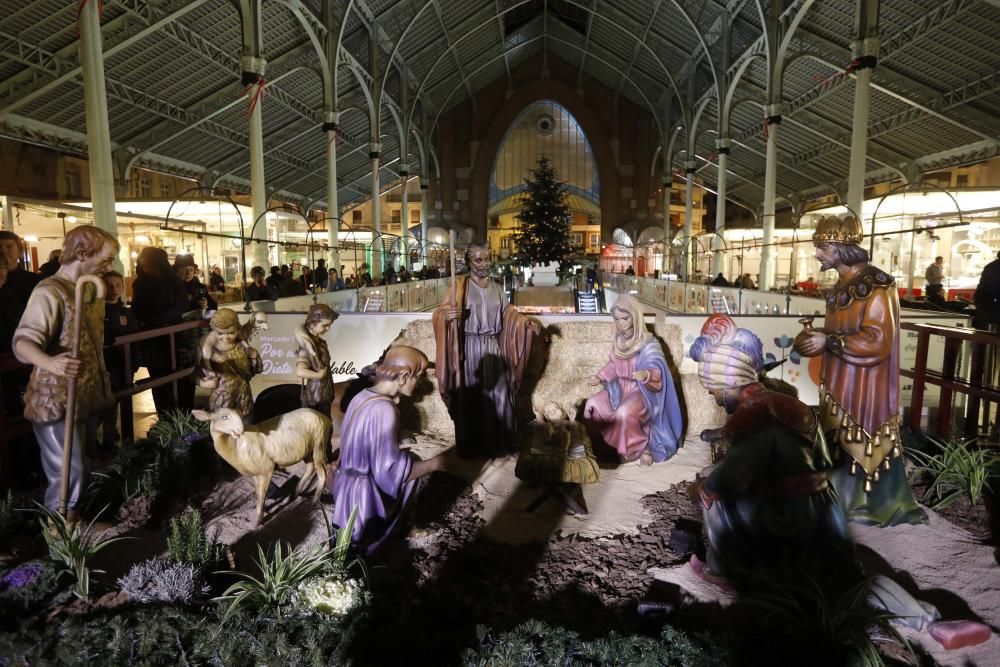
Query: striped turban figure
x=729, y=358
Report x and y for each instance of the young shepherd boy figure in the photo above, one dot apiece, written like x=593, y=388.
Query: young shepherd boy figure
x=374, y=474
x=44, y=340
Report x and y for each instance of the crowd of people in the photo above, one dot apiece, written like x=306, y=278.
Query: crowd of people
x=743, y=281
x=163, y=293
x=282, y=282
x=935, y=297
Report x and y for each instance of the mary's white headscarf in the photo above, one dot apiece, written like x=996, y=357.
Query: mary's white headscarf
x=625, y=348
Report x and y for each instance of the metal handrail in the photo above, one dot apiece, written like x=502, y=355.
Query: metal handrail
x=8, y=362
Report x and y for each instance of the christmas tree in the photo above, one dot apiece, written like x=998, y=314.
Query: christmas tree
x=545, y=219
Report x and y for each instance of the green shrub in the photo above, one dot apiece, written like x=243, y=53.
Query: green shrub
x=171, y=635
x=138, y=469
x=955, y=469
x=537, y=643
x=72, y=546
x=163, y=635
x=251, y=639
x=188, y=542
x=178, y=429
x=816, y=630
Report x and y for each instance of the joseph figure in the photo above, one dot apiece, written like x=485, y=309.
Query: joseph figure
x=482, y=348
x=859, y=386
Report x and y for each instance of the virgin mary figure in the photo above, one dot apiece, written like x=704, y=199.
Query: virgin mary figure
x=636, y=412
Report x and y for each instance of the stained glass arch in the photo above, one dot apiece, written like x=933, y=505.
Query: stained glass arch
x=545, y=128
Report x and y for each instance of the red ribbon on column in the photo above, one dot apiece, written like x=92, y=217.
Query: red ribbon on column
x=337, y=136
x=80, y=8
x=851, y=66
x=260, y=94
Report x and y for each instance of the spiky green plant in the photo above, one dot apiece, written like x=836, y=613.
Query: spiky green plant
x=177, y=428
x=280, y=576
x=188, y=542
x=135, y=471
x=841, y=631
x=72, y=545
x=955, y=468
x=342, y=543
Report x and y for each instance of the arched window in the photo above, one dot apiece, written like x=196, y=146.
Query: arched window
x=548, y=129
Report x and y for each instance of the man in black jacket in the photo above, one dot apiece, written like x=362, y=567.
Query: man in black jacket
x=259, y=290
x=118, y=321
x=216, y=282
x=20, y=281
x=321, y=276
x=50, y=267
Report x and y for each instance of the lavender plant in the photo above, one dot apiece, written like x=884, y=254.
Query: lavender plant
x=158, y=580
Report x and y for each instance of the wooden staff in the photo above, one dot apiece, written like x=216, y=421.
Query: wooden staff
x=454, y=300
x=71, y=386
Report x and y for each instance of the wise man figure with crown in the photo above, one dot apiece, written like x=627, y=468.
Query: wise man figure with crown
x=859, y=387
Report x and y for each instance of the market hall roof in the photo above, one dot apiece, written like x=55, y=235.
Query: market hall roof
x=176, y=105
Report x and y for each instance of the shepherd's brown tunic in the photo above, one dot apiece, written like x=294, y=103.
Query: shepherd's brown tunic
x=48, y=322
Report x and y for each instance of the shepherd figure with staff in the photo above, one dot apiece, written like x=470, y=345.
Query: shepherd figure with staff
x=61, y=334
x=482, y=348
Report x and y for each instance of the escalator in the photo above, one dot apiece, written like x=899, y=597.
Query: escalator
x=589, y=302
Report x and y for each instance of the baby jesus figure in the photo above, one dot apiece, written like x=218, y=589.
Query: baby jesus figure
x=556, y=449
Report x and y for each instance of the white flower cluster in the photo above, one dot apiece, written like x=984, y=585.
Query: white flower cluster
x=331, y=595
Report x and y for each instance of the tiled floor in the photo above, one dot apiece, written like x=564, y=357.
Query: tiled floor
x=143, y=410
x=144, y=413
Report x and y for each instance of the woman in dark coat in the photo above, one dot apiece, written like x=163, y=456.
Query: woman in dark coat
x=198, y=297
x=158, y=300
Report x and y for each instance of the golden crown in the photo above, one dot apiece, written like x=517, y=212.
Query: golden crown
x=832, y=229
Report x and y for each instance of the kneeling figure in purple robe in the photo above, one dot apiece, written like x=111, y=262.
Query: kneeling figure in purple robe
x=374, y=474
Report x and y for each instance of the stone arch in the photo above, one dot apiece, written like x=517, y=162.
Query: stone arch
x=437, y=234
x=622, y=237
x=651, y=234
x=598, y=135
x=649, y=248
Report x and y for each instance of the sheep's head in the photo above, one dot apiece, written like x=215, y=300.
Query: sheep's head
x=260, y=321
x=223, y=420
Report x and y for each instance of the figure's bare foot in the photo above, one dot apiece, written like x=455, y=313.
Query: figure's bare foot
x=701, y=570
x=646, y=459
x=630, y=457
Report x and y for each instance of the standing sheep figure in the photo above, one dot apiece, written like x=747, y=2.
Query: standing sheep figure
x=255, y=451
